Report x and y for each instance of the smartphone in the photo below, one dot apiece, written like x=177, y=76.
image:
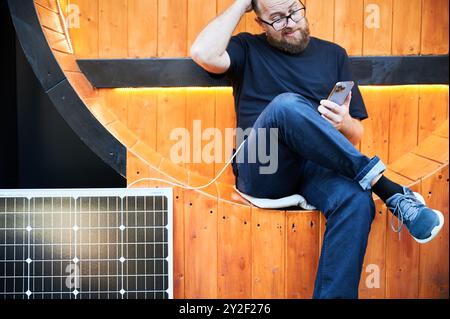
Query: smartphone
x=340, y=92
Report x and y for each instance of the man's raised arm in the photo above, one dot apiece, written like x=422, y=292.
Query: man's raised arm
x=209, y=49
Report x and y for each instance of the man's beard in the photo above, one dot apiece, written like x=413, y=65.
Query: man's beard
x=292, y=48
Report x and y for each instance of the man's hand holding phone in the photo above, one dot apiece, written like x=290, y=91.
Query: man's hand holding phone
x=337, y=115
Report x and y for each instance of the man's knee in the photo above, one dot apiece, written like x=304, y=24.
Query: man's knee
x=291, y=104
x=286, y=98
x=364, y=200
x=362, y=212
x=357, y=205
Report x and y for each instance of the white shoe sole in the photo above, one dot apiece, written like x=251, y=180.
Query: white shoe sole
x=436, y=229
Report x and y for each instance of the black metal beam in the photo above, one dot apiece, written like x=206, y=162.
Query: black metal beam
x=400, y=70
x=117, y=73
x=368, y=70
x=55, y=84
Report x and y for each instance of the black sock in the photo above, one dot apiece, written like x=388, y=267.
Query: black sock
x=386, y=188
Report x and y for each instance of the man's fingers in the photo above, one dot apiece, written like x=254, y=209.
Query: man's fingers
x=330, y=106
x=331, y=122
x=329, y=114
x=348, y=99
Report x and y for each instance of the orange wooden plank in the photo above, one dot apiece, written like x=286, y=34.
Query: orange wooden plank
x=84, y=28
x=49, y=4
x=171, y=114
x=402, y=263
x=403, y=121
x=376, y=127
x=117, y=102
x=57, y=41
x=62, y=3
x=197, y=180
x=434, y=256
x=414, y=167
x=433, y=105
x=406, y=27
x=435, y=27
x=178, y=244
x=81, y=85
x=66, y=61
x=49, y=18
x=201, y=265
x=225, y=122
x=378, y=27
x=177, y=174
x=268, y=236
x=200, y=13
x=442, y=130
x=302, y=253
x=62, y=9
x=172, y=26
x=223, y=5
x=348, y=25
x=226, y=192
x=142, y=114
x=142, y=28
x=113, y=26
x=234, y=251
x=100, y=111
x=123, y=134
x=200, y=118
x=434, y=148
x=397, y=178
x=149, y=155
x=201, y=235
x=320, y=15
x=373, y=276
x=136, y=170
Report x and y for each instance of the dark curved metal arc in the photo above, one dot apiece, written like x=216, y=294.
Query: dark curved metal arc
x=58, y=88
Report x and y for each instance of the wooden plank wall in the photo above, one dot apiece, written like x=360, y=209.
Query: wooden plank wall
x=227, y=250
x=139, y=28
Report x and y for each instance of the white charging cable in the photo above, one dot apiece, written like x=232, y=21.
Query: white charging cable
x=178, y=183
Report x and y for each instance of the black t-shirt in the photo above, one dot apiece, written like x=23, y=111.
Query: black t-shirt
x=260, y=72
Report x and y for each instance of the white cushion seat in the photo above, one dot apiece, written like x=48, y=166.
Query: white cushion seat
x=266, y=203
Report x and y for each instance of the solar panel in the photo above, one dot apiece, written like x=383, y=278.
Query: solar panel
x=86, y=244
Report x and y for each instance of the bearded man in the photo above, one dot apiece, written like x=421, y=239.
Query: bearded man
x=280, y=80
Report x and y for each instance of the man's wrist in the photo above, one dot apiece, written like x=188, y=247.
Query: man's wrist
x=350, y=129
x=242, y=5
x=347, y=124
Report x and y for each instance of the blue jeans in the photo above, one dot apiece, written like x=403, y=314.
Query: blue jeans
x=317, y=161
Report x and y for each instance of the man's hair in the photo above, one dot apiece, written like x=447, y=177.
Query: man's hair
x=255, y=4
x=257, y=9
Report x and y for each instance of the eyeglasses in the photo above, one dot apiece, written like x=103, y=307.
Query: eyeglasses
x=281, y=23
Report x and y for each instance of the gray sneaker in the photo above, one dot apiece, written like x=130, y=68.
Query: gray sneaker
x=422, y=222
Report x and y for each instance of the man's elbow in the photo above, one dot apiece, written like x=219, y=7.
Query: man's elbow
x=198, y=55
x=208, y=62
x=194, y=52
